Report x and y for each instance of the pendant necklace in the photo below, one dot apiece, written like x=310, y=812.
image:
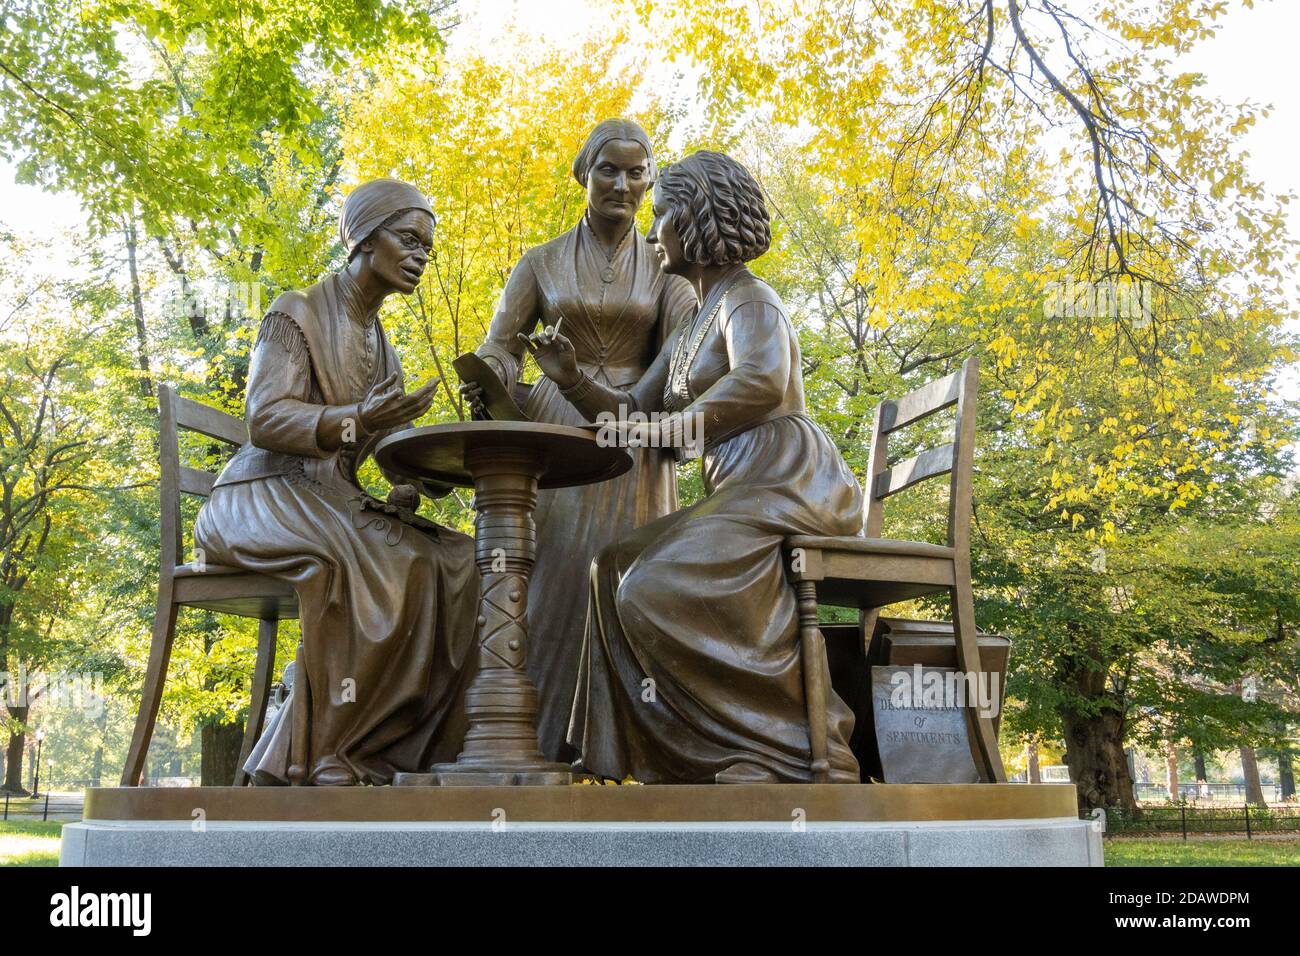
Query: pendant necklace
x=677, y=393
x=608, y=275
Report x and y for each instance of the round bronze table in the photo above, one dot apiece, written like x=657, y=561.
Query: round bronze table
x=505, y=463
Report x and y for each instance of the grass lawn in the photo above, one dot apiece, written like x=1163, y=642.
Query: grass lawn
x=29, y=842
x=1221, y=851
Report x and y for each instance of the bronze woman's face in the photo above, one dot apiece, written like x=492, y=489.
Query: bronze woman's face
x=617, y=180
x=399, y=251
x=663, y=237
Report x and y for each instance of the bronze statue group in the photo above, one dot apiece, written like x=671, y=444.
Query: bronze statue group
x=628, y=592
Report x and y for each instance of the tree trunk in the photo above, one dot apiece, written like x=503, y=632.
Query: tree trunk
x=1250, y=771
x=220, y=745
x=137, y=307
x=1285, y=773
x=1094, y=731
x=14, y=756
x=1171, y=770
x=1031, y=762
x=97, y=768
x=1198, y=759
x=1094, y=752
x=195, y=309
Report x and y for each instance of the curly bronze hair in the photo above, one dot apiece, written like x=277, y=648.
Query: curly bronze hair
x=717, y=209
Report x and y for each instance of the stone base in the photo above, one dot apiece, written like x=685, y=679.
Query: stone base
x=1064, y=841
x=585, y=825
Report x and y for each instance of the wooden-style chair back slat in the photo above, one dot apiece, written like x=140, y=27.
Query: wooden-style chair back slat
x=196, y=481
x=928, y=464
x=176, y=414
x=209, y=421
x=925, y=401
x=954, y=458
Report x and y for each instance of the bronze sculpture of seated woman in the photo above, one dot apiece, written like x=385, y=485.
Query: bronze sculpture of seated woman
x=388, y=600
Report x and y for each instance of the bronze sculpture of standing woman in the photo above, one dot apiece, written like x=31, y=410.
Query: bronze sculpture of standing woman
x=618, y=308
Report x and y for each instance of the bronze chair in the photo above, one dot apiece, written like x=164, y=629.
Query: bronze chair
x=871, y=572
x=212, y=587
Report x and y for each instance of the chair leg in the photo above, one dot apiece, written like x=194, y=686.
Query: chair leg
x=867, y=618
x=267, y=629
x=155, y=676
x=813, y=659
x=300, y=738
x=984, y=741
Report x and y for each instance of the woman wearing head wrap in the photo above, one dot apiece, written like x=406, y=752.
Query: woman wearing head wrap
x=696, y=605
x=618, y=309
x=388, y=600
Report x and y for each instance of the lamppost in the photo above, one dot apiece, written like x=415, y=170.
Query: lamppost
x=36, y=780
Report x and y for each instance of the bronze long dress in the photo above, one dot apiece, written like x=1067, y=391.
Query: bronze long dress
x=697, y=602
x=387, y=606
x=617, y=313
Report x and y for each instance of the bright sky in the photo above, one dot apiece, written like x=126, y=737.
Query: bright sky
x=1249, y=60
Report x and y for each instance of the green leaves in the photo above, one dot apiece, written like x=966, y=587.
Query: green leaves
x=143, y=105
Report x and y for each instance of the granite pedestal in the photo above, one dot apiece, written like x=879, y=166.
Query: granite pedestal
x=777, y=825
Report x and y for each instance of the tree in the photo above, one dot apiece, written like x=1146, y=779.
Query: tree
x=53, y=447
x=175, y=145
x=906, y=117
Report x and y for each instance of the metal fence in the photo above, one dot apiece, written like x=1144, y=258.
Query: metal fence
x=1183, y=819
x=44, y=807
x=1205, y=792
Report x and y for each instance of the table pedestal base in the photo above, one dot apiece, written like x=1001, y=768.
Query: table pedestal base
x=500, y=747
x=506, y=463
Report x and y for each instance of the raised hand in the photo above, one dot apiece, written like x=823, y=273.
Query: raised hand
x=555, y=356
x=387, y=406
